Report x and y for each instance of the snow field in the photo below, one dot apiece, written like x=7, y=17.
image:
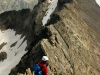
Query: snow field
x=14, y=53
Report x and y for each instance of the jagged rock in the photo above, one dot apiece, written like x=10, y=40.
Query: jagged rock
x=8, y=5
x=77, y=43
x=3, y=55
x=53, y=39
x=28, y=72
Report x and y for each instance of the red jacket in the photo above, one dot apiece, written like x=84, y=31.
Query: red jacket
x=44, y=68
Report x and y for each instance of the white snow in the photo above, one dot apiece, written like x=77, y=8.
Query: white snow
x=28, y=1
x=14, y=54
x=51, y=8
x=49, y=1
x=98, y=2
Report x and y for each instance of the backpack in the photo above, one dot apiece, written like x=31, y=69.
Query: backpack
x=37, y=70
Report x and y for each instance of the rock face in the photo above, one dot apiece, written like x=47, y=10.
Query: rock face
x=8, y=5
x=70, y=39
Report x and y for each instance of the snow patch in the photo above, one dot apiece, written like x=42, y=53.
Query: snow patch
x=49, y=1
x=98, y=2
x=28, y=1
x=14, y=53
x=51, y=8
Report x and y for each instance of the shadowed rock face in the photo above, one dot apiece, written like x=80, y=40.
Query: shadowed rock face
x=3, y=55
x=71, y=38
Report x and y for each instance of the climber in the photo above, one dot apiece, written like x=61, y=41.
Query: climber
x=41, y=66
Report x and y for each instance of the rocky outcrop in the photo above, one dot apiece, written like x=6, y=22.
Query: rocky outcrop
x=8, y=5
x=28, y=72
x=3, y=56
x=70, y=39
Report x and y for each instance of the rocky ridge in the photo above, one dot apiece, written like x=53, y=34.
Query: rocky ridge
x=9, y=5
x=70, y=39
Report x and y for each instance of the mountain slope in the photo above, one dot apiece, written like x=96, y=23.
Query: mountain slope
x=8, y=5
x=70, y=38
